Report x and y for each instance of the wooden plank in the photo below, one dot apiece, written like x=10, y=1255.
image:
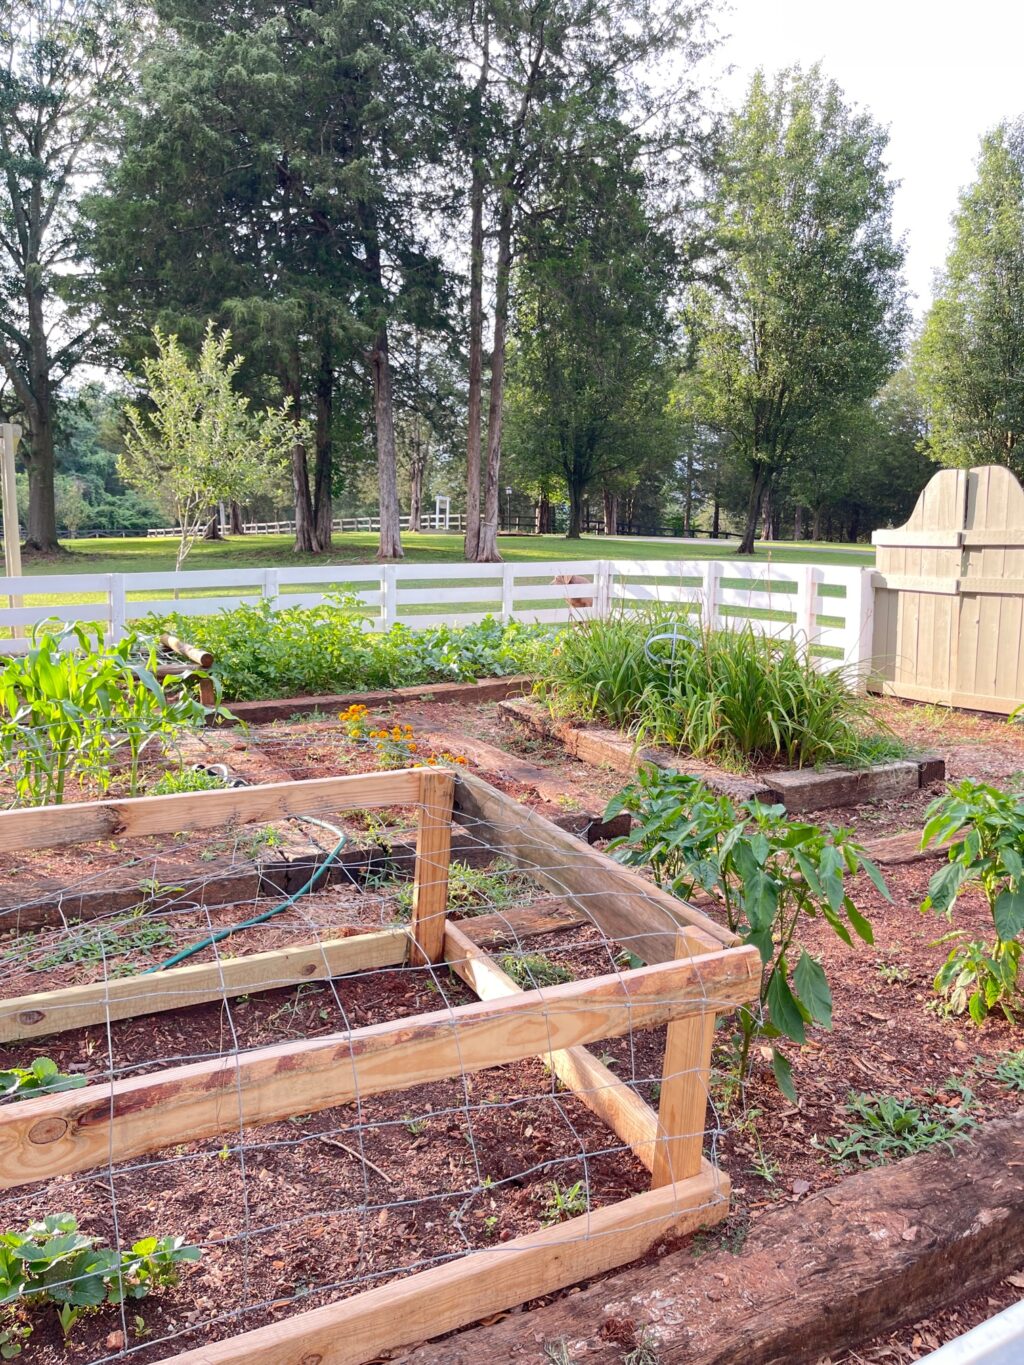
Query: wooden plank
x=806, y=789
x=593, y=1083
x=682, y=1105
x=516, y=924
x=45, y=1012
x=629, y=909
x=445, y=1297
x=54, y=826
x=430, y=875
x=101, y=1124
x=937, y=539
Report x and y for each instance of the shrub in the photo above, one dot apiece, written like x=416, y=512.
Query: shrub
x=731, y=694
x=66, y=712
x=51, y=1262
x=296, y=651
x=986, y=827
x=769, y=874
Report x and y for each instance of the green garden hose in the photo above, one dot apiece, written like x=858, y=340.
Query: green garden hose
x=222, y=934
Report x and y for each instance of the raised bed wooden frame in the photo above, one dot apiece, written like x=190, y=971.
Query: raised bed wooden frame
x=695, y=969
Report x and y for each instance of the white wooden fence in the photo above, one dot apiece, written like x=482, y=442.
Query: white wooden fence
x=829, y=607
x=429, y=521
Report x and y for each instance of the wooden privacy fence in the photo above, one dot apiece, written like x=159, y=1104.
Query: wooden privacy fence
x=826, y=605
x=949, y=594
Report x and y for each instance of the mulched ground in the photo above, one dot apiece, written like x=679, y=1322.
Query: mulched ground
x=289, y=1220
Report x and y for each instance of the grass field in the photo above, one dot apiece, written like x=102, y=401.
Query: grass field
x=141, y=555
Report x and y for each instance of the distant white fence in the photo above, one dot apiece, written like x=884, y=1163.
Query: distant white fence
x=429, y=521
x=828, y=607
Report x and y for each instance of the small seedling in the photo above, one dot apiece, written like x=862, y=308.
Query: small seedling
x=43, y=1077
x=564, y=1202
x=1009, y=1070
x=892, y=973
x=885, y=1127
x=533, y=970
x=186, y=780
x=89, y=945
x=645, y=1352
x=473, y=891
x=557, y=1353
x=414, y=1126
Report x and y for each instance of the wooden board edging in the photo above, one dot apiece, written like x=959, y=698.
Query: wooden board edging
x=283, y=708
x=438, y=1300
x=78, y=1130
x=630, y=910
x=126, y=997
x=136, y=816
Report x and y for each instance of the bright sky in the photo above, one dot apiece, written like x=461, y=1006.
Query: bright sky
x=937, y=73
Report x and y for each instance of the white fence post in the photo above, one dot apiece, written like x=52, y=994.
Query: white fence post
x=388, y=595
x=507, y=592
x=118, y=607
x=709, y=593
x=860, y=623
x=805, y=628
x=271, y=587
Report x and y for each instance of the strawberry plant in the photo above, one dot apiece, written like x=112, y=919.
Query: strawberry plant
x=985, y=830
x=43, y=1077
x=769, y=875
x=52, y=1263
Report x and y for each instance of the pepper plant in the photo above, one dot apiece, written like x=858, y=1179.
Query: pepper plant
x=769, y=875
x=985, y=830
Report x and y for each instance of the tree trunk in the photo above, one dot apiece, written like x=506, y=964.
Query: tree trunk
x=236, y=526
x=798, y=523
x=688, y=501
x=487, y=547
x=38, y=456
x=211, y=531
x=716, y=517
x=476, y=312
x=323, y=511
x=611, y=512
x=305, y=529
x=390, y=546
x=575, y=510
x=542, y=515
x=816, y=524
x=746, y=545
x=417, y=475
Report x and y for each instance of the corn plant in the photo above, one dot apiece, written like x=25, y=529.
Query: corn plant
x=72, y=703
x=52, y=1262
x=769, y=874
x=985, y=827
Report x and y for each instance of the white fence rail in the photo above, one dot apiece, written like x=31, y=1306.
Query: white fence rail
x=826, y=606
x=429, y=521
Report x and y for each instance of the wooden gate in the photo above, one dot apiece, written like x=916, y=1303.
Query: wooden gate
x=949, y=594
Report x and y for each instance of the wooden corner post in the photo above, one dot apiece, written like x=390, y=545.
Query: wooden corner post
x=682, y=1106
x=433, y=854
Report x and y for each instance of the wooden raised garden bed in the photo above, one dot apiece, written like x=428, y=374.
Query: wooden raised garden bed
x=694, y=970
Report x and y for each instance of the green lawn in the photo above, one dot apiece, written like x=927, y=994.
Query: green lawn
x=141, y=555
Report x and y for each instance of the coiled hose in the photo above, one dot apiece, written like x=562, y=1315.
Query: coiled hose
x=221, y=934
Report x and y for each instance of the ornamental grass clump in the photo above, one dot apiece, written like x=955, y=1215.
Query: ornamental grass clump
x=733, y=695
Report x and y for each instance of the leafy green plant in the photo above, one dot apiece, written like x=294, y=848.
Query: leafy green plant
x=52, y=1262
x=72, y=703
x=735, y=695
x=532, y=970
x=892, y=973
x=186, y=780
x=290, y=651
x=985, y=830
x=564, y=1201
x=884, y=1128
x=1009, y=1070
x=472, y=890
x=43, y=1077
x=88, y=944
x=769, y=874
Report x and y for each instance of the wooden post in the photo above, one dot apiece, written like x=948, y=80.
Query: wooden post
x=433, y=854
x=10, y=435
x=682, y=1107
